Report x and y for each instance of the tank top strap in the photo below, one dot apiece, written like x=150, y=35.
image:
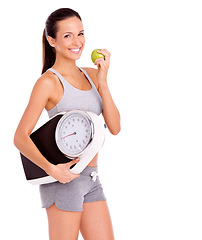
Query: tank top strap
x=62, y=80
x=89, y=79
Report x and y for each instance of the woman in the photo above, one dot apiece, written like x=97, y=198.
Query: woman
x=75, y=202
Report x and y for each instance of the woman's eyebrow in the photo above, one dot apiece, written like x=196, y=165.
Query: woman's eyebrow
x=72, y=32
x=68, y=32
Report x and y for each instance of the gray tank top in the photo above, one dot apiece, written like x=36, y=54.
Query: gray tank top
x=74, y=98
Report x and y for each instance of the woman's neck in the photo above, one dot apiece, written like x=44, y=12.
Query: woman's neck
x=65, y=66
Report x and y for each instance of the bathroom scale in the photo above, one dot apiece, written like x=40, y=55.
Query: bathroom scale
x=64, y=137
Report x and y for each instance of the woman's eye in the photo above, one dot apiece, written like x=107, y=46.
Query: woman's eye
x=67, y=36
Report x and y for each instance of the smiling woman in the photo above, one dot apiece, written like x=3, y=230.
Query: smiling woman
x=75, y=199
x=70, y=37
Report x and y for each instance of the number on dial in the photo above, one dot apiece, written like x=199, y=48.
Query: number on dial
x=75, y=134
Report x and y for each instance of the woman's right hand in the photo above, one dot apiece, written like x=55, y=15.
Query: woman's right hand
x=61, y=172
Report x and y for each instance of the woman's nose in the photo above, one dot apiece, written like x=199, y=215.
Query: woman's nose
x=76, y=41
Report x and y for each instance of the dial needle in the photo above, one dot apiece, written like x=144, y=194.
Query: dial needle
x=74, y=133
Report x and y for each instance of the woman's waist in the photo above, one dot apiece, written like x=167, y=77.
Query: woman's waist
x=94, y=161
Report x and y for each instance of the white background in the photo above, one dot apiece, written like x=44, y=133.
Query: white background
x=151, y=171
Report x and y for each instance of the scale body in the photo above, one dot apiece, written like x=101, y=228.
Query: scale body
x=46, y=140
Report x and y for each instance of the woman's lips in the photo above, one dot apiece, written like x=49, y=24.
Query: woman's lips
x=75, y=50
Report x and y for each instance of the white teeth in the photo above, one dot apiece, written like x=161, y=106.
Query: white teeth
x=74, y=49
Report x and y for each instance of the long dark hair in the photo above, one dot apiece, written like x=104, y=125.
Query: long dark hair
x=51, y=29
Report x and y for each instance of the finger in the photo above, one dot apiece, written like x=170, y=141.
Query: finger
x=101, y=63
x=99, y=59
x=73, y=176
x=106, y=53
x=74, y=161
x=97, y=63
x=65, y=180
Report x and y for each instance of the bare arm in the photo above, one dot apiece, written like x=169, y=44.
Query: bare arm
x=22, y=140
x=40, y=95
x=110, y=111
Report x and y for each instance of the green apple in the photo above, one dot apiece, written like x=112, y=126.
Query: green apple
x=96, y=55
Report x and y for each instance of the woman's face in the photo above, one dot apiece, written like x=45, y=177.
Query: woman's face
x=70, y=40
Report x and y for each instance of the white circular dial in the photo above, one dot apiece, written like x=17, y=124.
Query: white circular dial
x=73, y=133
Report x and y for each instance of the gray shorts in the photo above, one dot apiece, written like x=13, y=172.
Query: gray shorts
x=71, y=196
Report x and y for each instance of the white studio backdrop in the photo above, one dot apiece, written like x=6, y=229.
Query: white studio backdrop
x=151, y=171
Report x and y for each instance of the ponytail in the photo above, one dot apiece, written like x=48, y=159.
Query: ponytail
x=51, y=29
x=48, y=54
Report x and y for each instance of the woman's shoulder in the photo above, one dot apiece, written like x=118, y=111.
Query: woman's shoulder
x=47, y=80
x=92, y=74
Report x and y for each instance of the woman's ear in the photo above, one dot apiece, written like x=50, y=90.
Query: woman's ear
x=51, y=41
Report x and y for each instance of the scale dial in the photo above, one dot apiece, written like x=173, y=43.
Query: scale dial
x=73, y=133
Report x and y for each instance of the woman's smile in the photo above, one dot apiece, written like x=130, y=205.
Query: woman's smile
x=75, y=50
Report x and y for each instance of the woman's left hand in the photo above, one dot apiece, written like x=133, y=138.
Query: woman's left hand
x=103, y=66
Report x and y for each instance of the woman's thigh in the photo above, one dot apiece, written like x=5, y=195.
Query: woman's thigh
x=63, y=225
x=96, y=222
